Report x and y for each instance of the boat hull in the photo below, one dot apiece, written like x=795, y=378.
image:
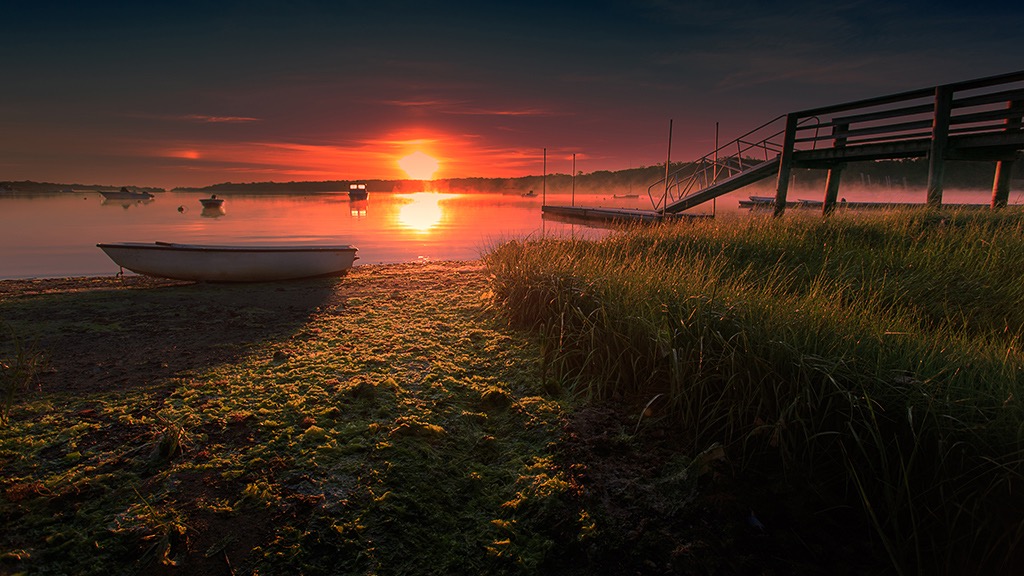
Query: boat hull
x=127, y=195
x=231, y=263
x=357, y=192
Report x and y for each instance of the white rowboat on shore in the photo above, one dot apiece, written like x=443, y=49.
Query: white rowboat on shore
x=231, y=263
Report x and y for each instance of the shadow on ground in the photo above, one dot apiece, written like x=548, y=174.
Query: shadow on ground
x=112, y=334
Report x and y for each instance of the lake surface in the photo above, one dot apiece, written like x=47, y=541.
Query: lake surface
x=55, y=235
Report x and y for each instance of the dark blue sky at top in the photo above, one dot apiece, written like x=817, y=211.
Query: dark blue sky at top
x=91, y=90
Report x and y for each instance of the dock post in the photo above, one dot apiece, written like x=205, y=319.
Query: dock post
x=544, y=180
x=785, y=165
x=668, y=162
x=937, y=152
x=1001, y=182
x=835, y=172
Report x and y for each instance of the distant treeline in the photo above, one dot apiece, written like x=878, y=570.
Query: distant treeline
x=912, y=173
x=40, y=187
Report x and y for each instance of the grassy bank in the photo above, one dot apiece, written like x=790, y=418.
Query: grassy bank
x=872, y=362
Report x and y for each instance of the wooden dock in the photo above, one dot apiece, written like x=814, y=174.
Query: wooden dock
x=592, y=215
x=757, y=203
x=975, y=120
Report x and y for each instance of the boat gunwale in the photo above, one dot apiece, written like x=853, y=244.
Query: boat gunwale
x=228, y=248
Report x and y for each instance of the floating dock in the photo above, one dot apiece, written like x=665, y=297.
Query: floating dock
x=591, y=215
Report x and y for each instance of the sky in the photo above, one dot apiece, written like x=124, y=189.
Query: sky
x=193, y=93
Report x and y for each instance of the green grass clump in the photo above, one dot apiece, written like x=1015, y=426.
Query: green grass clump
x=874, y=358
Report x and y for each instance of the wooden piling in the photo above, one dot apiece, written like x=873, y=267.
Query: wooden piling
x=1001, y=181
x=785, y=165
x=937, y=152
x=831, y=189
x=835, y=172
x=1001, y=184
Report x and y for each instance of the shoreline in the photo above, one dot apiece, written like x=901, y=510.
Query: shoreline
x=59, y=284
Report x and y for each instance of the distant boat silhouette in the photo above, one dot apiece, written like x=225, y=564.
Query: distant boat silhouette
x=212, y=202
x=357, y=192
x=125, y=194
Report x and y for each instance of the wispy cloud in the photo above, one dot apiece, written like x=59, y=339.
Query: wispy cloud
x=422, y=103
x=466, y=108
x=196, y=118
x=500, y=112
x=217, y=119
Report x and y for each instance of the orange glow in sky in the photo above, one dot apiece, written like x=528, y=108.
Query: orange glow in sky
x=419, y=166
x=440, y=91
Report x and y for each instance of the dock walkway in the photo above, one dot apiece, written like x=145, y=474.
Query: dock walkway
x=974, y=120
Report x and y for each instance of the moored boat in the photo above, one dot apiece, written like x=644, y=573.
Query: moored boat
x=212, y=202
x=231, y=263
x=357, y=192
x=125, y=194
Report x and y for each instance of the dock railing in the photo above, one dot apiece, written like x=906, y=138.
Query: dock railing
x=977, y=119
x=758, y=145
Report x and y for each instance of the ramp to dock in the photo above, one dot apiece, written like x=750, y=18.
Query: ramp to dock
x=735, y=182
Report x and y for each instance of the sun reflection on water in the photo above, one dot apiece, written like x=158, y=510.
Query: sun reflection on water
x=423, y=210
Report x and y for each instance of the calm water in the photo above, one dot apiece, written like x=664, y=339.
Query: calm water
x=56, y=234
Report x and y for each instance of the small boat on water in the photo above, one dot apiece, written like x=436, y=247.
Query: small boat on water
x=530, y=194
x=231, y=263
x=212, y=202
x=125, y=194
x=357, y=192
x=625, y=195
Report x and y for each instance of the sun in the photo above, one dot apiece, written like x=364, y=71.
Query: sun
x=419, y=166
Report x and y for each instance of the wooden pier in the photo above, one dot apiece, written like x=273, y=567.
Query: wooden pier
x=975, y=120
x=585, y=215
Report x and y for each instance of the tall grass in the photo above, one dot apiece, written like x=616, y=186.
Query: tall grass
x=878, y=357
